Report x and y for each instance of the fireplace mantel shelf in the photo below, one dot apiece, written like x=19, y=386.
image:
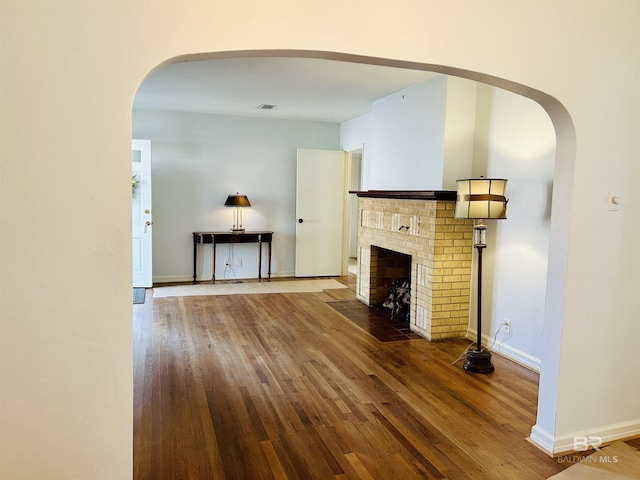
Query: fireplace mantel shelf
x=408, y=194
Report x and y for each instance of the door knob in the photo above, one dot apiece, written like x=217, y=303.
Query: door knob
x=146, y=225
x=300, y=220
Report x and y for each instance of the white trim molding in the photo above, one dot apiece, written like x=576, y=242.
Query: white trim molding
x=200, y=278
x=566, y=444
x=507, y=351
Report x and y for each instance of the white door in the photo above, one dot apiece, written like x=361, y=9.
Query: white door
x=141, y=212
x=320, y=196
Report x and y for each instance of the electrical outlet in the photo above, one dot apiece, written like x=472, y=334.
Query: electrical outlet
x=506, y=325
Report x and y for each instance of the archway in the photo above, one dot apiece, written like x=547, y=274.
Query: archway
x=565, y=153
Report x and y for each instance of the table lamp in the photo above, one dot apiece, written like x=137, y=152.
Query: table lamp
x=237, y=201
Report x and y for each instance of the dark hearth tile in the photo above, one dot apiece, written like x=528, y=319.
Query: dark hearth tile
x=375, y=321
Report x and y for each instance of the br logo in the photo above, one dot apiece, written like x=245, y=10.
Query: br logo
x=583, y=443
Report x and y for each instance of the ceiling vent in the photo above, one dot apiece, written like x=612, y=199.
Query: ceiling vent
x=266, y=106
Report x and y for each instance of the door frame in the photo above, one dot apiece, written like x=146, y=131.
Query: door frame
x=347, y=218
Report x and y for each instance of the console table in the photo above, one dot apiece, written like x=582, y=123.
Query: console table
x=215, y=238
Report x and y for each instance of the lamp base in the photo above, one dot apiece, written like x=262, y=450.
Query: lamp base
x=478, y=361
x=237, y=230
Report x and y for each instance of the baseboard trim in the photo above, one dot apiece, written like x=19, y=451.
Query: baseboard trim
x=597, y=437
x=175, y=279
x=541, y=439
x=513, y=354
x=189, y=278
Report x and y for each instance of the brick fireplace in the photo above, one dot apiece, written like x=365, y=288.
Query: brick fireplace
x=420, y=225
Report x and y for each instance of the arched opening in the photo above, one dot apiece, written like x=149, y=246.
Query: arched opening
x=558, y=237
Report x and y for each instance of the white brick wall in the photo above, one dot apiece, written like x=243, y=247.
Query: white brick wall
x=440, y=247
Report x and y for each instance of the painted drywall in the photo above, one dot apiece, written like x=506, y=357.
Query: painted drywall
x=494, y=133
x=69, y=74
x=198, y=160
x=459, y=131
x=426, y=129
x=515, y=140
x=358, y=132
x=407, y=129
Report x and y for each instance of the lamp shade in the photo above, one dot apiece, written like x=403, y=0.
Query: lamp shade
x=237, y=200
x=481, y=198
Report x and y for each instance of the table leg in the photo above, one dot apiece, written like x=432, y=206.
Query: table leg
x=269, y=261
x=259, y=260
x=213, y=261
x=195, y=260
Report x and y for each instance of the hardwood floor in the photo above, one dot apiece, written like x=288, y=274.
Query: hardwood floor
x=283, y=386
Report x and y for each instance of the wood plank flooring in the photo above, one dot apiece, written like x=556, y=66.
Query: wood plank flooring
x=283, y=386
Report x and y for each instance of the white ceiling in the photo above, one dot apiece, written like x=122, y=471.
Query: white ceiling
x=301, y=88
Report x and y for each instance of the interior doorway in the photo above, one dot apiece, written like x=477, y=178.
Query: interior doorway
x=355, y=156
x=141, y=221
x=565, y=154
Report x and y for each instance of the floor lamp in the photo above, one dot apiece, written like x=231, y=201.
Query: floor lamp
x=480, y=199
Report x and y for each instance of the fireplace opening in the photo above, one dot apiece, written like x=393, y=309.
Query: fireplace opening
x=391, y=276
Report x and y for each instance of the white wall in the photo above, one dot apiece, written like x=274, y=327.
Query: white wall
x=69, y=74
x=459, y=131
x=408, y=134
x=426, y=129
x=354, y=133
x=494, y=133
x=403, y=137
x=516, y=141
x=200, y=159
